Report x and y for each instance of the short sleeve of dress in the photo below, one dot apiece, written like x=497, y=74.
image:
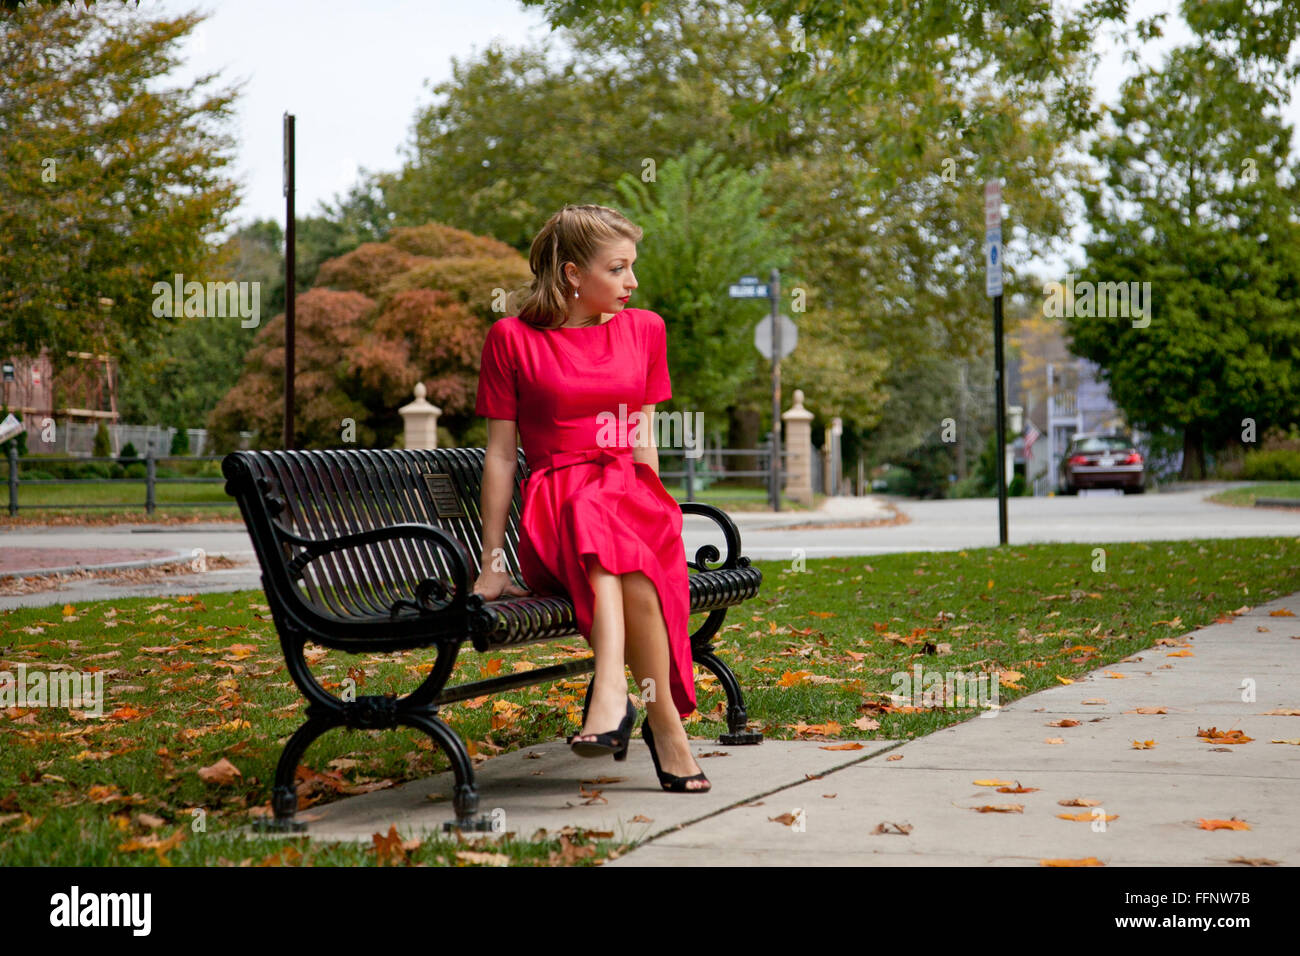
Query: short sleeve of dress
x=658, y=388
x=497, y=388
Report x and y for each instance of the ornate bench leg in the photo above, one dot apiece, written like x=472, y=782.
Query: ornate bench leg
x=702, y=652
x=465, y=790
x=284, y=797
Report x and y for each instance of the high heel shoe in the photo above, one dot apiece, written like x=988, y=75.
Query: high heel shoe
x=669, y=781
x=611, y=741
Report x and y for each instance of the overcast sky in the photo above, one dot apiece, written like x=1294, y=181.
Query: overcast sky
x=354, y=74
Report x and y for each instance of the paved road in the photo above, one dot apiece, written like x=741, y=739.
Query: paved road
x=933, y=526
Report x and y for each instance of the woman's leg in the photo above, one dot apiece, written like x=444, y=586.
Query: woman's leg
x=648, y=655
x=609, y=696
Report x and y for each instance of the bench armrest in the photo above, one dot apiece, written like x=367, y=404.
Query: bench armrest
x=730, y=533
x=313, y=548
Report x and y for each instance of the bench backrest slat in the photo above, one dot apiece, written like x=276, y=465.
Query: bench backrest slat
x=335, y=492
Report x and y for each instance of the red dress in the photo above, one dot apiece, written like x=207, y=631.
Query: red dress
x=586, y=500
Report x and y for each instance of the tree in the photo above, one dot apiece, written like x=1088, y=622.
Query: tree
x=109, y=180
x=885, y=231
x=179, y=380
x=1199, y=205
x=704, y=227
x=380, y=318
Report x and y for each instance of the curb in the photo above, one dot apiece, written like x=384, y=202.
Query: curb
x=181, y=557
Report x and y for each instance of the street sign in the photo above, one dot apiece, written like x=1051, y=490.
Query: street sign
x=993, y=238
x=993, y=263
x=763, y=336
x=9, y=428
x=744, y=290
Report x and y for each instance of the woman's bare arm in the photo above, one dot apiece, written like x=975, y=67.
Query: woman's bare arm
x=649, y=452
x=497, y=489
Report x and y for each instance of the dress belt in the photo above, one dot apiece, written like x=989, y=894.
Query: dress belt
x=603, y=456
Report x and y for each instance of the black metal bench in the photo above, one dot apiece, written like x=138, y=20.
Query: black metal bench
x=377, y=550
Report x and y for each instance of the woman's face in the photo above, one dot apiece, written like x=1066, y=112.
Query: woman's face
x=609, y=284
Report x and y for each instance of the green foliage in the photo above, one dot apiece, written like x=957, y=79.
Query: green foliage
x=109, y=179
x=876, y=195
x=183, y=377
x=1199, y=163
x=92, y=469
x=180, y=443
x=102, y=447
x=702, y=220
x=128, y=453
x=928, y=466
x=1277, y=465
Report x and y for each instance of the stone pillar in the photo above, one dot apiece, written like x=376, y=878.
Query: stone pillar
x=420, y=421
x=834, y=464
x=798, y=446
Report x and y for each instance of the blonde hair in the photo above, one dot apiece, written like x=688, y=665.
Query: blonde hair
x=574, y=234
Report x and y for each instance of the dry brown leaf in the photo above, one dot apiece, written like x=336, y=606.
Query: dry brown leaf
x=1079, y=802
x=886, y=829
x=221, y=773
x=1224, y=736
x=483, y=859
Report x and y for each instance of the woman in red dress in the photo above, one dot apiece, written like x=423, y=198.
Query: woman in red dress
x=578, y=374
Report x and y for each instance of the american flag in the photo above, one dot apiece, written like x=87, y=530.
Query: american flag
x=1032, y=435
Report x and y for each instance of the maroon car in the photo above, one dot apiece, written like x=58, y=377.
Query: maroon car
x=1102, y=461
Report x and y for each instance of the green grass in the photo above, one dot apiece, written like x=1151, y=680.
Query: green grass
x=737, y=499
x=1245, y=497
x=125, y=491
x=193, y=680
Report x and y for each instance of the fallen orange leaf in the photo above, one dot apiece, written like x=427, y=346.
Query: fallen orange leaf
x=1233, y=824
x=1085, y=861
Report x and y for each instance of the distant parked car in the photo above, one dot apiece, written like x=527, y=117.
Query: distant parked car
x=1102, y=461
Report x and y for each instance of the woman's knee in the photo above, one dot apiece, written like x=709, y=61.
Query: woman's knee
x=638, y=589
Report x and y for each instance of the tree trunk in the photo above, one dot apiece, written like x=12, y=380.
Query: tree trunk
x=1193, y=454
x=742, y=432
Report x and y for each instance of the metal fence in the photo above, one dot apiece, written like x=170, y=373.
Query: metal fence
x=700, y=472
x=150, y=480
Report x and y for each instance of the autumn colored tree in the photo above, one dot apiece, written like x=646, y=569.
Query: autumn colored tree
x=381, y=318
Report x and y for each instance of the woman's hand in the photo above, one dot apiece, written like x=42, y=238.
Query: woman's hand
x=497, y=584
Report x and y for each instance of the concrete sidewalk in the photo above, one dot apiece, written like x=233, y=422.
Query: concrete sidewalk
x=795, y=802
